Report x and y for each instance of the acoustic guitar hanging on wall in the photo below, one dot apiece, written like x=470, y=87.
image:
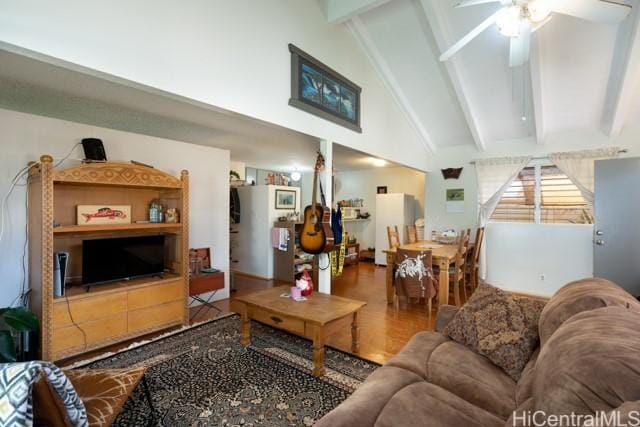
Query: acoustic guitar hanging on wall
x=316, y=235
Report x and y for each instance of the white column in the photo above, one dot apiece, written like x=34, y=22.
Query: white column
x=324, y=276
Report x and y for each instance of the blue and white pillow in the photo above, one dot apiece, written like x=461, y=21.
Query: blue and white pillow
x=16, y=384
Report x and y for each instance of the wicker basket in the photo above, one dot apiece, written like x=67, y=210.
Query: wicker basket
x=447, y=240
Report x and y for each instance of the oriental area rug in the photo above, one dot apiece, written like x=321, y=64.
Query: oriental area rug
x=203, y=376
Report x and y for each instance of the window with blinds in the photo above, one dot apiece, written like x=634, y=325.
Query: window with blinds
x=518, y=202
x=561, y=201
x=543, y=194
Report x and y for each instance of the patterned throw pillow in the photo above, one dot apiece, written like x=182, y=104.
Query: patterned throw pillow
x=500, y=326
x=16, y=383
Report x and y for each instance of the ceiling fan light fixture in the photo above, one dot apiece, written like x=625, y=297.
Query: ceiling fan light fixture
x=539, y=10
x=508, y=21
x=519, y=19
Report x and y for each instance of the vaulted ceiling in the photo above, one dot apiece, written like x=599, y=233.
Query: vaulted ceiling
x=581, y=76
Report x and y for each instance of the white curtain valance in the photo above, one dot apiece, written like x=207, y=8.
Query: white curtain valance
x=494, y=176
x=579, y=166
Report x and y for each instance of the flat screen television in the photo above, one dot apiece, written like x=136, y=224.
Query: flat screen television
x=121, y=258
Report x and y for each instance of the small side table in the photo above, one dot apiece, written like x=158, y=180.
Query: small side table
x=205, y=283
x=367, y=255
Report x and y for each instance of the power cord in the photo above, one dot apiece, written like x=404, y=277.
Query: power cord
x=4, y=217
x=3, y=203
x=23, y=288
x=328, y=262
x=84, y=334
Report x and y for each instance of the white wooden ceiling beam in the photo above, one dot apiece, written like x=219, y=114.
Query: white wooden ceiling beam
x=535, y=72
x=442, y=34
x=624, y=78
x=361, y=34
x=338, y=11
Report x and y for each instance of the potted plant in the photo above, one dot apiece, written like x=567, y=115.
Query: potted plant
x=15, y=320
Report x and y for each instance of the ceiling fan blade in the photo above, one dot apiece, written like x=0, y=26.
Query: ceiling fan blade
x=465, y=3
x=601, y=11
x=469, y=36
x=519, y=46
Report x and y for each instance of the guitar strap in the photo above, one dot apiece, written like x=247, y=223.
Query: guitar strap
x=338, y=256
x=336, y=220
x=339, y=235
x=323, y=199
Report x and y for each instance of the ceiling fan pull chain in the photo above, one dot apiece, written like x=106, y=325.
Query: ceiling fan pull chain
x=513, y=84
x=524, y=92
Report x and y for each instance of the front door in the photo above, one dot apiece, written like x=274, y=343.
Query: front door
x=617, y=229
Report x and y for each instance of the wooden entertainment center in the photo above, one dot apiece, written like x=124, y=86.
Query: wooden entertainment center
x=85, y=319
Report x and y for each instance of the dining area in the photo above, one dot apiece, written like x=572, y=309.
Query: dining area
x=443, y=269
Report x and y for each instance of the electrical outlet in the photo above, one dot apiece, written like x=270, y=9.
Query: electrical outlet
x=542, y=277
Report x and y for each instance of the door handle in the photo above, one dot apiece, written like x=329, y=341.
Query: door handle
x=599, y=232
x=600, y=242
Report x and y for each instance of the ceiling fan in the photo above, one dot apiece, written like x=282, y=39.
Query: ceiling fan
x=519, y=19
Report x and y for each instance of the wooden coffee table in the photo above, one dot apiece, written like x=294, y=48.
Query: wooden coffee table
x=317, y=318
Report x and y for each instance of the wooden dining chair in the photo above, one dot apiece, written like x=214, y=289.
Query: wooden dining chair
x=457, y=272
x=412, y=234
x=414, y=277
x=475, y=259
x=465, y=242
x=394, y=237
x=469, y=244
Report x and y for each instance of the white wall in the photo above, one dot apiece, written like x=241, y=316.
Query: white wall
x=436, y=216
x=254, y=251
x=306, y=189
x=25, y=137
x=362, y=184
x=518, y=253
x=252, y=240
x=538, y=258
x=238, y=167
x=230, y=54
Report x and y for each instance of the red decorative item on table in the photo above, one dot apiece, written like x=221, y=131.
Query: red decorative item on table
x=305, y=283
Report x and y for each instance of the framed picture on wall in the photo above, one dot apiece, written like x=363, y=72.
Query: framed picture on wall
x=382, y=190
x=455, y=200
x=285, y=199
x=319, y=90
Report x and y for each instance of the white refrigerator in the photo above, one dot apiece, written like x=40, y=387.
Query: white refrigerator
x=391, y=210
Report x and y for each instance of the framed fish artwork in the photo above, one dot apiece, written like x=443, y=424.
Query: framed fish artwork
x=103, y=214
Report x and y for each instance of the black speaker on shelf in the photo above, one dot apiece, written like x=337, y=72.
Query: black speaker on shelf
x=94, y=150
x=60, y=260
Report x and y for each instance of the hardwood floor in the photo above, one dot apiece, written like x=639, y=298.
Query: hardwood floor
x=383, y=330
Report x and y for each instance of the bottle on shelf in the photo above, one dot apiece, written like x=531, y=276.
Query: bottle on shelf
x=156, y=212
x=160, y=213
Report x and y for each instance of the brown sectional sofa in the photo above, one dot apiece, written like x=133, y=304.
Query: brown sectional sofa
x=588, y=361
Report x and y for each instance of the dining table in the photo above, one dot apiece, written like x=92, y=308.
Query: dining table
x=443, y=255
